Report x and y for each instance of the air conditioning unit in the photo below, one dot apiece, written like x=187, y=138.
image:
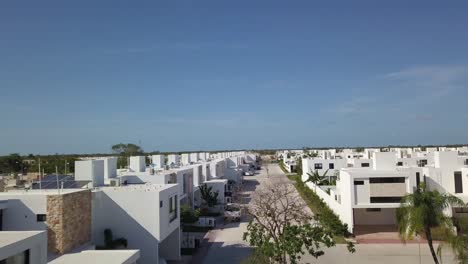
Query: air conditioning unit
x=114, y=182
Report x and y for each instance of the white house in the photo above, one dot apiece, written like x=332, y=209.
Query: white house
x=147, y=215
x=90, y=170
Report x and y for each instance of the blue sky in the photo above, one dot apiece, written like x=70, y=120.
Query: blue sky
x=189, y=75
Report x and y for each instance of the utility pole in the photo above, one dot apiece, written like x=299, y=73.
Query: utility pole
x=57, y=178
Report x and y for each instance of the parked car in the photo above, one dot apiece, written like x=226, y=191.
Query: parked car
x=232, y=212
x=248, y=173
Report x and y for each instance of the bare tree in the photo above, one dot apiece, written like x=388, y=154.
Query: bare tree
x=281, y=225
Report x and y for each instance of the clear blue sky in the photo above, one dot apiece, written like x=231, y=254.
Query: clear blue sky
x=188, y=75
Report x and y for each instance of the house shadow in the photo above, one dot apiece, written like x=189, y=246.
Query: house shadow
x=221, y=252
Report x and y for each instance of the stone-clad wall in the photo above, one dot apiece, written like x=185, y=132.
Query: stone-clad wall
x=68, y=220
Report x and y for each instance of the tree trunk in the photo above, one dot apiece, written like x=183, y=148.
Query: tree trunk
x=431, y=247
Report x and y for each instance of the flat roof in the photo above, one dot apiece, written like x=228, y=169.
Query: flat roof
x=11, y=237
x=99, y=256
x=41, y=192
x=137, y=187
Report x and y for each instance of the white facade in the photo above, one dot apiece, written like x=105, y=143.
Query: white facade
x=141, y=214
x=159, y=161
x=90, y=170
x=173, y=159
x=186, y=159
x=137, y=163
x=110, y=168
x=13, y=245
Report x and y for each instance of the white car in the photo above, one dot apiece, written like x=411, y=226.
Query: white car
x=248, y=173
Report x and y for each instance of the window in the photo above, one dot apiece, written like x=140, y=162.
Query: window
x=160, y=204
x=331, y=166
x=387, y=180
x=41, y=217
x=365, y=165
x=373, y=209
x=400, y=163
x=20, y=258
x=458, y=182
x=358, y=182
x=318, y=166
x=422, y=163
x=385, y=199
x=172, y=208
x=172, y=178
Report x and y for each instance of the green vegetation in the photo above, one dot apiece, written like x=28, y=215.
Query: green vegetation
x=208, y=196
x=327, y=218
x=187, y=215
x=15, y=164
x=422, y=211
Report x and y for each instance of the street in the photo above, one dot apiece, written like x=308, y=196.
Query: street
x=228, y=247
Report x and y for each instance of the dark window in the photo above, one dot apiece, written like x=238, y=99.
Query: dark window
x=365, y=165
x=418, y=179
x=358, y=182
x=20, y=258
x=41, y=217
x=422, y=163
x=387, y=180
x=385, y=199
x=331, y=166
x=318, y=166
x=400, y=163
x=461, y=210
x=373, y=209
x=172, y=208
x=160, y=204
x=458, y=182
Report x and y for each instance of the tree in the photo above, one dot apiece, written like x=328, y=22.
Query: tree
x=423, y=210
x=187, y=215
x=458, y=242
x=316, y=178
x=281, y=229
x=210, y=197
x=124, y=151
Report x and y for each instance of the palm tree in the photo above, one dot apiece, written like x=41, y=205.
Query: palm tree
x=316, y=178
x=458, y=242
x=423, y=210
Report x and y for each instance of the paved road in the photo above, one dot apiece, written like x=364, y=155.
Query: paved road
x=228, y=246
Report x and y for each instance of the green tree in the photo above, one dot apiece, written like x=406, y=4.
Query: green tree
x=421, y=211
x=316, y=178
x=187, y=215
x=210, y=197
x=124, y=151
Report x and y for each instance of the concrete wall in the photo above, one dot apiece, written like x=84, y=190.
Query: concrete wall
x=138, y=163
x=110, y=168
x=90, y=170
x=159, y=161
x=35, y=242
x=68, y=220
x=22, y=210
x=135, y=213
x=384, y=160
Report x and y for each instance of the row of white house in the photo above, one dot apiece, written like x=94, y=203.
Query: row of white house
x=140, y=203
x=369, y=188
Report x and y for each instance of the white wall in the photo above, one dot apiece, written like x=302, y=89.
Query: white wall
x=22, y=210
x=158, y=161
x=384, y=160
x=137, y=163
x=110, y=168
x=35, y=242
x=135, y=215
x=90, y=170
